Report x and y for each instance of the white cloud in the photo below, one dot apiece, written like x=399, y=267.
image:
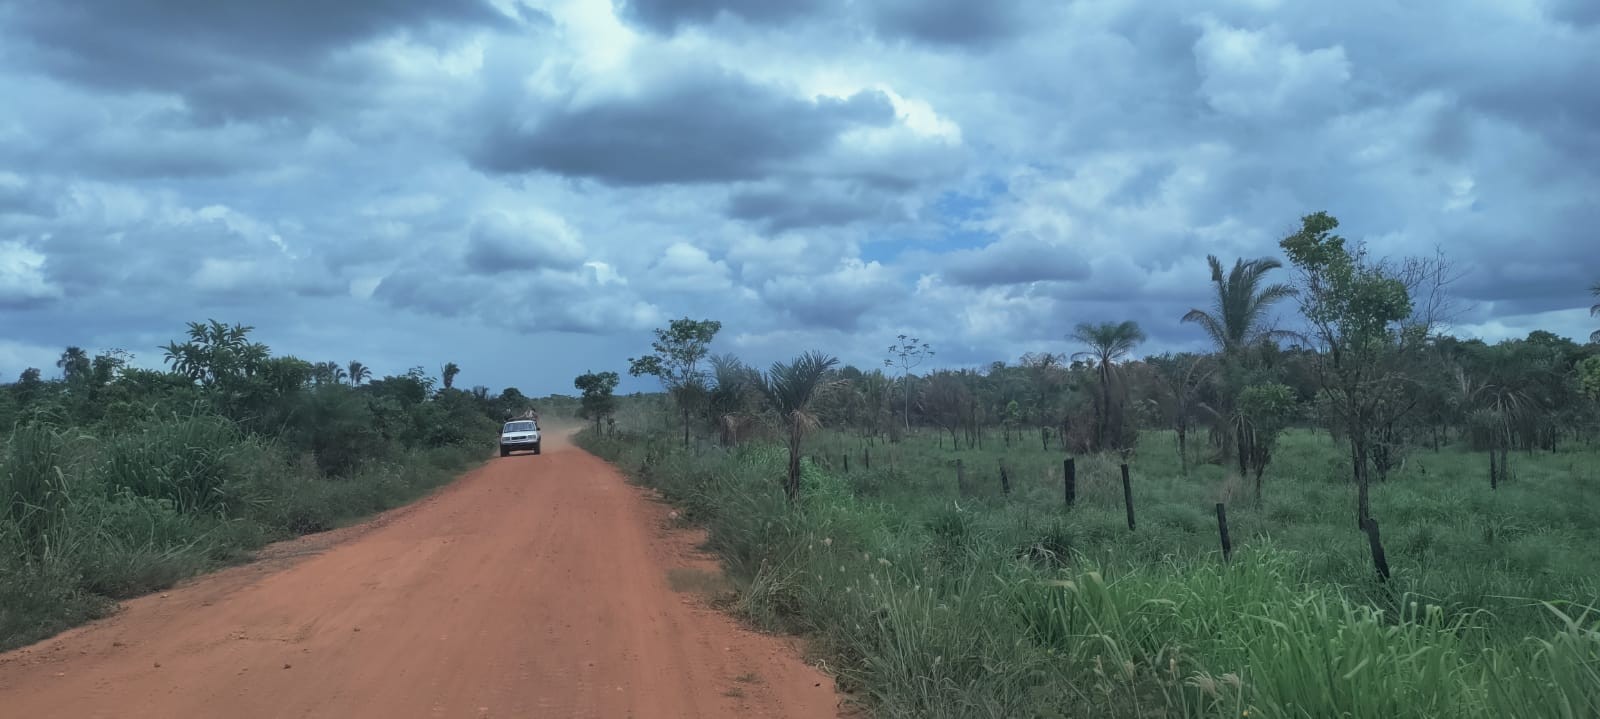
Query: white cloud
x=22, y=278
x=1251, y=73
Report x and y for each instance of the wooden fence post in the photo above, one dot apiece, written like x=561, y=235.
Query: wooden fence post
x=1222, y=529
x=961, y=477
x=1127, y=495
x=866, y=458
x=1005, y=482
x=1379, y=560
x=1069, y=476
x=846, y=462
x=1493, y=477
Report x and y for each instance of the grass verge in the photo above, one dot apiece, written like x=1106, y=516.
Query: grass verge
x=85, y=521
x=938, y=606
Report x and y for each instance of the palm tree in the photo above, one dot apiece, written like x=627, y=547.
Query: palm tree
x=449, y=372
x=730, y=399
x=1237, y=323
x=74, y=363
x=790, y=389
x=359, y=373
x=1109, y=343
x=1237, y=320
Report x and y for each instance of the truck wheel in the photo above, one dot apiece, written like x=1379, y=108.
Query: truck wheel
x=536, y=448
x=504, y=452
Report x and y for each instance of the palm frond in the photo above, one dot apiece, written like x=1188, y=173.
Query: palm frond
x=1212, y=326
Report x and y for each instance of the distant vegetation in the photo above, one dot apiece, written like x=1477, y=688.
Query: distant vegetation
x=1412, y=515
x=117, y=480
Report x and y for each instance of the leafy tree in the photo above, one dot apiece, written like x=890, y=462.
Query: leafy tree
x=1109, y=343
x=1588, y=372
x=598, y=401
x=906, y=354
x=790, y=389
x=679, y=350
x=512, y=402
x=216, y=354
x=103, y=368
x=358, y=373
x=1262, y=413
x=1362, y=316
x=448, y=374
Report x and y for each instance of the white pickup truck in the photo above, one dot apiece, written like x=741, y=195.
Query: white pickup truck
x=519, y=434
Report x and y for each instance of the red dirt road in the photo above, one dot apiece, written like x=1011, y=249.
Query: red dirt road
x=531, y=587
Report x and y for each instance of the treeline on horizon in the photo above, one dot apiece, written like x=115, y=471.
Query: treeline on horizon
x=117, y=480
x=1371, y=367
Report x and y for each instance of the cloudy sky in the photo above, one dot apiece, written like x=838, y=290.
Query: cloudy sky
x=527, y=187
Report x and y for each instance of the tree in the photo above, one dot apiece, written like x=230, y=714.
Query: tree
x=679, y=350
x=1237, y=324
x=906, y=355
x=1109, y=343
x=1363, y=318
x=1263, y=412
x=30, y=384
x=945, y=400
x=1594, y=311
x=358, y=373
x=74, y=364
x=216, y=354
x=790, y=389
x=448, y=373
x=1180, y=378
x=1589, y=377
x=1238, y=317
x=731, y=399
x=597, y=402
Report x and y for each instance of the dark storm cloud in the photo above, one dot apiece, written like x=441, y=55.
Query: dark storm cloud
x=709, y=127
x=949, y=22
x=953, y=23
x=1015, y=260
x=1581, y=13
x=18, y=196
x=431, y=292
x=796, y=207
x=229, y=58
x=667, y=16
x=532, y=302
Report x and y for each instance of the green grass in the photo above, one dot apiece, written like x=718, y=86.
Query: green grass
x=87, y=521
x=933, y=599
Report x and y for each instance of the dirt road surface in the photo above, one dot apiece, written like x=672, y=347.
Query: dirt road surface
x=535, y=586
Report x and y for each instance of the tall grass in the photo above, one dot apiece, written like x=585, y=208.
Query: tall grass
x=88, y=519
x=928, y=599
